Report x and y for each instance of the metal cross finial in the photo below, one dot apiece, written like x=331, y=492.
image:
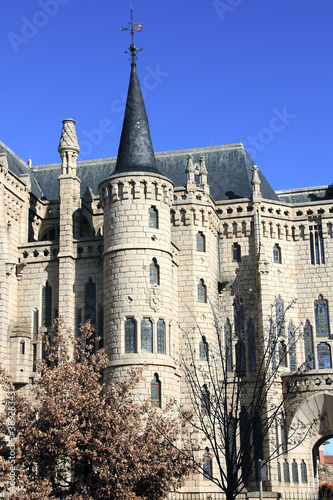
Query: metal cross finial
x=132, y=28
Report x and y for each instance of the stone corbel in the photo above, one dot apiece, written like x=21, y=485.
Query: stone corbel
x=19, y=269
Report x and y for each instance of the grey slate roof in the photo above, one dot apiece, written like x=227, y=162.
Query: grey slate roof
x=306, y=195
x=18, y=167
x=229, y=172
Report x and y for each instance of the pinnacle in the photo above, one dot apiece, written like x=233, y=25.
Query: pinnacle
x=68, y=139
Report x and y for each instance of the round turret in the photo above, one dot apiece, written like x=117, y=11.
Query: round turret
x=140, y=309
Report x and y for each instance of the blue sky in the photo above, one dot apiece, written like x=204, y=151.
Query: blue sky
x=212, y=72
x=328, y=448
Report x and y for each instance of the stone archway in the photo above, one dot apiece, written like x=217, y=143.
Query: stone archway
x=316, y=413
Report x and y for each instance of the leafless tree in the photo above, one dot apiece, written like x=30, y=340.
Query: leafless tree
x=239, y=404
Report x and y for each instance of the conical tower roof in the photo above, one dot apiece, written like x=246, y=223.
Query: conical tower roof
x=135, y=152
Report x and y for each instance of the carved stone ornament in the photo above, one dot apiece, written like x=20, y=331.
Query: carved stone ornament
x=155, y=298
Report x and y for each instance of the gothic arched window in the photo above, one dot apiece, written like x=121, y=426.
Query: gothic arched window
x=154, y=272
x=202, y=291
x=146, y=335
x=245, y=442
x=279, y=472
x=203, y=348
x=292, y=347
x=294, y=471
x=240, y=358
x=324, y=356
x=239, y=316
x=90, y=302
x=228, y=346
x=160, y=337
x=317, y=244
x=279, y=310
x=308, y=346
x=155, y=391
x=321, y=317
x=277, y=254
x=236, y=252
x=286, y=472
x=153, y=217
x=130, y=335
x=207, y=465
x=201, y=243
x=272, y=343
x=22, y=347
x=251, y=345
x=304, y=472
x=284, y=441
x=283, y=354
x=47, y=305
x=205, y=398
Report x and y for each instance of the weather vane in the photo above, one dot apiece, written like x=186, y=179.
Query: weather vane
x=132, y=28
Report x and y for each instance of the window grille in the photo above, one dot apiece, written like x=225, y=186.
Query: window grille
x=286, y=472
x=321, y=317
x=153, y=217
x=294, y=471
x=317, y=244
x=277, y=254
x=203, y=348
x=240, y=358
x=204, y=403
x=228, y=346
x=130, y=335
x=202, y=291
x=282, y=354
x=34, y=357
x=324, y=356
x=90, y=302
x=251, y=345
x=308, y=346
x=304, y=472
x=160, y=337
x=284, y=442
x=35, y=324
x=155, y=391
x=279, y=309
x=239, y=316
x=292, y=347
x=207, y=466
x=47, y=305
x=200, y=242
x=22, y=348
x=146, y=335
x=236, y=252
x=154, y=277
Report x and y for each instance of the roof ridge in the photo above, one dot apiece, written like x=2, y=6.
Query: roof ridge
x=24, y=164
x=221, y=147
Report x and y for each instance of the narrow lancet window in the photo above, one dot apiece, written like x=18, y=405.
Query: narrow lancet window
x=146, y=335
x=155, y=392
x=130, y=335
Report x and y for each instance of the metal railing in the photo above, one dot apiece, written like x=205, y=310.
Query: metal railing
x=176, y=495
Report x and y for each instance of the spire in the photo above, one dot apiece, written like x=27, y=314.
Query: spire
x=135, y=152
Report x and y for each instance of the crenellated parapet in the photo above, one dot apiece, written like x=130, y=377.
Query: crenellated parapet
x=140, y=188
